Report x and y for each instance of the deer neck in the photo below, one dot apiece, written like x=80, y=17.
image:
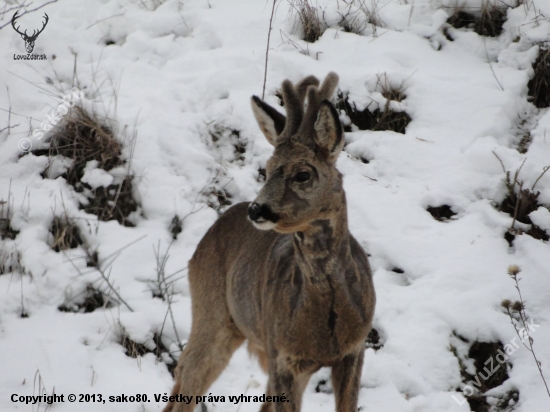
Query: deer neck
x=323, y=249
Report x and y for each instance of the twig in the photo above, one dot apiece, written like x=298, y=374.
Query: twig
x=519, y=170
x=17, y=7
x=9, y=127
x=490, y=65
x=500, y=160
x=165, y=286
x=9, y=113
x=28, y=11
x=170, y=297
x=544, y=170
x=517, y=206
x=117, y=252
x=99, y=21
x=102, y=272
x=46, y=91
x=288, y=40
x=267, y=47
x=411, y=13
x=23, y=312
x=106, y=278
x=519, y=307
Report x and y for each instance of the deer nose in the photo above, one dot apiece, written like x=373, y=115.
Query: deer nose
x=257, y=212
x=254, y=211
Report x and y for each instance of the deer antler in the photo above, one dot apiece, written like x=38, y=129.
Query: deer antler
x=45, y=23
x=34, y=33
x=293, y=97
x=17, y=28
x=314, y=98
x=34, y=36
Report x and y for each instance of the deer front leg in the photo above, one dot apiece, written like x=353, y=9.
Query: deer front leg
x=288, y=382
x=203, y=359
x=346, y=377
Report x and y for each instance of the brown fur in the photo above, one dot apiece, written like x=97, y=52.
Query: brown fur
x=302, y=293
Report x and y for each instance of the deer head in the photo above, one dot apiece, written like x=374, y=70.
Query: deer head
x=29, y=40
x=302, y=184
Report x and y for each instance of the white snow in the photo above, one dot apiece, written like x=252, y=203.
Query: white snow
x=96, y=177
x=178, y=73
x=541, y=217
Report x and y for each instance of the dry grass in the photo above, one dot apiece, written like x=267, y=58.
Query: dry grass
x=478, y=353
x=376, y=117
x=113, y=202
x=6, y=216
x=354, y=20
x=88, y=301
x=10, y=256
x=519, y=319
x=309, y=20
x=66, y=234
x=83, y=138
x=539, y=85
x=10, y=261
x=373, y=340
x=491, y=20
x=223, y=136
x=524, y=143
x=354, y=16
x=376, y=120
x=388, y=90
x=176, y=227
x=519, y=203
x=218, y=199
x=155, y=346
x=488, y=23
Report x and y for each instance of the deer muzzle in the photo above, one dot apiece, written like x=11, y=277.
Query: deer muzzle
x=262, y=216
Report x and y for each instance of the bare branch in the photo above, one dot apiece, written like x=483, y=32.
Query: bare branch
x=267, y=47
x=26, y=12
x=544, y=170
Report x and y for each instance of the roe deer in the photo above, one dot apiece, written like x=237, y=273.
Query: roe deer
x=300, y=288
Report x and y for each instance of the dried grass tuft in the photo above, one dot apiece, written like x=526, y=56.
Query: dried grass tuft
x=488, y=23
x=312, y=27
x=83, y=138
x=91, y=299
x=375, y=117
x=539, y=85
x=155, y=346
x=376, y=120
x=6, y=215
x=66, y=234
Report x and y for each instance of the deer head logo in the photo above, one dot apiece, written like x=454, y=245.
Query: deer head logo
x=29, y=40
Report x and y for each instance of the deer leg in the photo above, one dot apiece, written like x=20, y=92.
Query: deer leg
x=346, y=377
x=201, y=362
x=267, y=406
x=283, y=381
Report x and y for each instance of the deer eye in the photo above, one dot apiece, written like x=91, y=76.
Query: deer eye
x=302, y=177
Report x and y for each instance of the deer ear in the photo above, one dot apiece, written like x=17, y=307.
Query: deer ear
x=329, y=134
x=271, y=122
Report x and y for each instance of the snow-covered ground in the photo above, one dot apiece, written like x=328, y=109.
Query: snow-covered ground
x=173, y=74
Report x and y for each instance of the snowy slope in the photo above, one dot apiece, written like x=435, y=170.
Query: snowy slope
x=172, y=74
